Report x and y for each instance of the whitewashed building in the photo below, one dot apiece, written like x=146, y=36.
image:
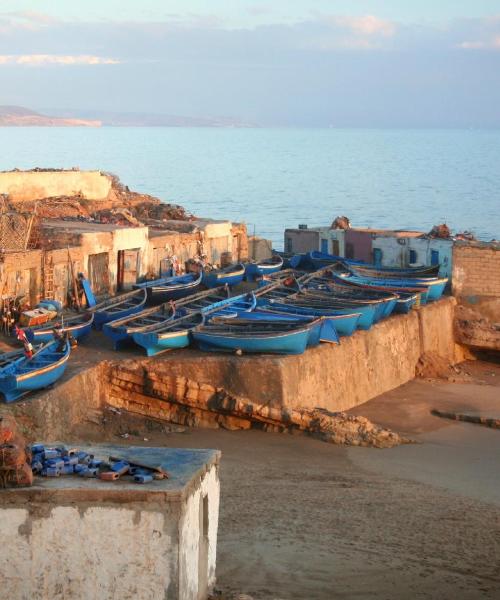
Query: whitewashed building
x=88, y=539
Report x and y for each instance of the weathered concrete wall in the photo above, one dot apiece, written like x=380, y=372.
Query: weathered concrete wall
x=51, y=414
x=22, y=186
x=259, y=248
x=301, y=240
x=198, y=538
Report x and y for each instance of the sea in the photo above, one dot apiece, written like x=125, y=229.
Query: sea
x=272, y=179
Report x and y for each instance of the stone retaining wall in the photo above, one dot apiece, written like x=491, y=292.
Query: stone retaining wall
x=188, y=387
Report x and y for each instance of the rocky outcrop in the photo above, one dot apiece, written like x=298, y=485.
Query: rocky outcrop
x=17, y=116
x=149, y=391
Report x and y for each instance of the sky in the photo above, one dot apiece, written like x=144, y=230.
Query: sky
x=340, y=63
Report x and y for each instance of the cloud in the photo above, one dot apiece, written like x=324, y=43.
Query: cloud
x=492, y=44
x=38, y=60
x=368, y=25
x=331, y=32
x=478, y=34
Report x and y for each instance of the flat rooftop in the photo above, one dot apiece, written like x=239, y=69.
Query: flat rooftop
x=183, y=466
x=84, y=227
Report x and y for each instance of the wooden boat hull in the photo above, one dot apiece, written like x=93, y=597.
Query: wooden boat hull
x=345, y=325
x=289, y=342
x=77, y=328
x=161, y=340
x=366, y=312
x=322, y=328
x=44, y=369
x=318, y=260
x=217, y=278
x=434, y=289
x=121, y=331
x=156, y=343
x=170, y=288
x=356, y=282
x=256, y=269
x=130, y=304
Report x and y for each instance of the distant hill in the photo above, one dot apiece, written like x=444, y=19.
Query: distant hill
x=129, y=119
x=18, y=116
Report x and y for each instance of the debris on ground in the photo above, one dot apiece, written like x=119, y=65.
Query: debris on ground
x=486, y=421
x=15, y=456
x=434, y=366
x=58, y=461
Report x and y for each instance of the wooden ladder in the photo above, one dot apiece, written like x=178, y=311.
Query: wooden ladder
x=48, y=278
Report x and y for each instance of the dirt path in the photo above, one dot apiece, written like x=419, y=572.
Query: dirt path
x=301, y=519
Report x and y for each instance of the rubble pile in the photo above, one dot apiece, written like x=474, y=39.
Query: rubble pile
x=441, y=231
x=341, y=223
x=117, y=216
x=15, y=456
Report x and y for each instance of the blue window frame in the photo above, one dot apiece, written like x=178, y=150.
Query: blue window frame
x=434, y=257
x=413, y=256
x=324, y=246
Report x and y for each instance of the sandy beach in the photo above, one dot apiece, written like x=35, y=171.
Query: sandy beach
x=302, y=519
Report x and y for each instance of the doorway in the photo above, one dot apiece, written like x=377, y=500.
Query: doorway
x=128, y=268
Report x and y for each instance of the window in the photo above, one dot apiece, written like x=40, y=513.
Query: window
x=413, y=256
x=377, y=256
x=289, y=245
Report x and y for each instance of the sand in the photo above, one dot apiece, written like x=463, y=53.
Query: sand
x=302, y=519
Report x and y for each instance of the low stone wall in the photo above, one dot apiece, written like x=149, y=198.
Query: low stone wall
x=22, y=186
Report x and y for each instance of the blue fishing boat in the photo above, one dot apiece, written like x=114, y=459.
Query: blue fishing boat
x=345, y=321
x=118, y=307
x=381, y=285
x=262, y=337
x=216, y=300
x=433, y=286
x=77, y=326
x=405, y=302
x=263, y=267
x=309, y=302
x=8, y=358
x=406, y=272
x=322, y=328
x=170, y=288
x=318, y=260
x=173, y=334
x=120, y=331
x=231, y=276
x=44, y=368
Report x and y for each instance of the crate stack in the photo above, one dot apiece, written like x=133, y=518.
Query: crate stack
x=15, y=456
